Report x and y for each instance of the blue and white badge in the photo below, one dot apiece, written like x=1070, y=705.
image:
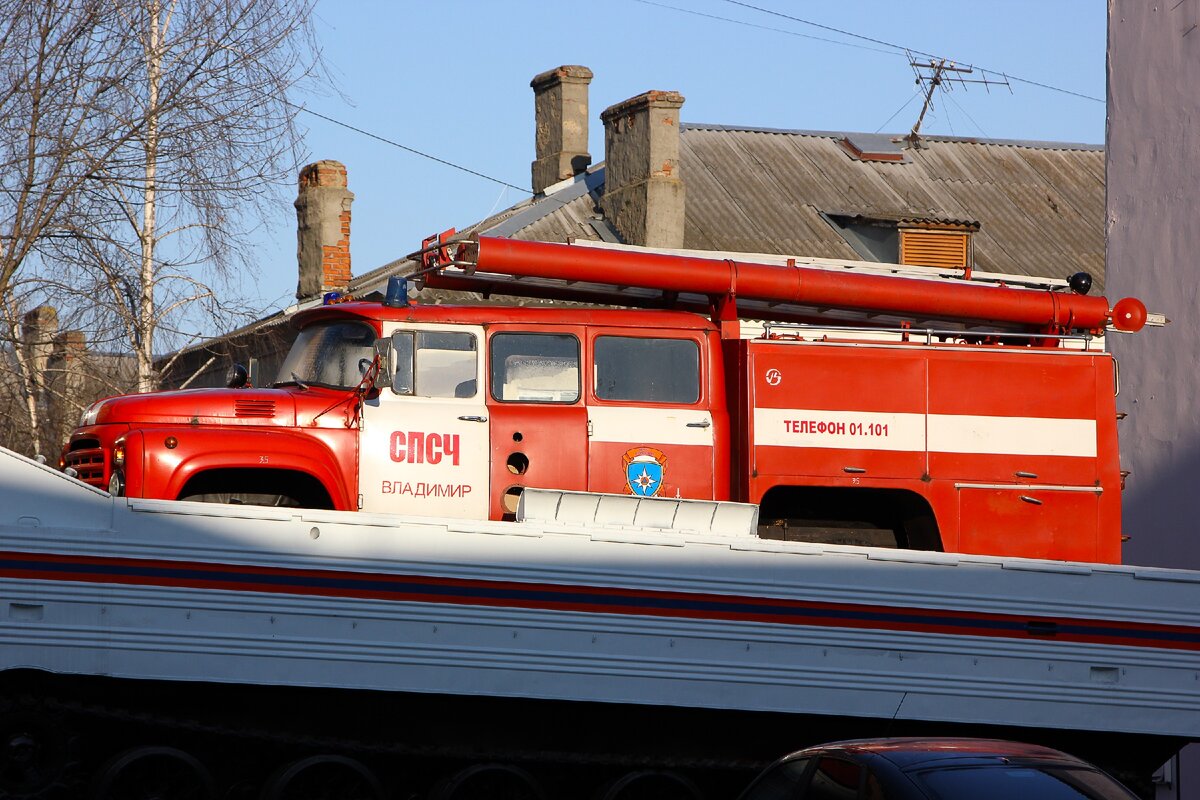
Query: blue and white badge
x=644, y=470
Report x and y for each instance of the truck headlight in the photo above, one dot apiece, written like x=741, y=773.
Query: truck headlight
x=116, y=484
x=88, y=417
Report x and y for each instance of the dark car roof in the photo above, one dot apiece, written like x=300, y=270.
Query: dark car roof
x=912, y=752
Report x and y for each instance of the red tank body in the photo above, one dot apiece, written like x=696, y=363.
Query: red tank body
x=964, y=441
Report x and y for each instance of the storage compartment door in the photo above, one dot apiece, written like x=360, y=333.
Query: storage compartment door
x=1030, y=521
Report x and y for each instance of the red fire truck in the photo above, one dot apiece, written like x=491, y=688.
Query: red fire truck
x=874, y=406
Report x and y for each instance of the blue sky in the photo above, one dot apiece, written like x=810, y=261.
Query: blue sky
x=451, y=79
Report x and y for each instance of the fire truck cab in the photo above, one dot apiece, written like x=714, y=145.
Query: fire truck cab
x=473, y=411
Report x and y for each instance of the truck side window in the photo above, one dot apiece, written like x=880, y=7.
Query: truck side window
x=647, y=370
x=434, y=363
x=535, y=367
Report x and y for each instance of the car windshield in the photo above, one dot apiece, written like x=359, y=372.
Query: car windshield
x=1019, y=780
x=329, y=354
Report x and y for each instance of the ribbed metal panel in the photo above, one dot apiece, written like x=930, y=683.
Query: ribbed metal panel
x=944, y=249
x=589, y=612
x=254, y=408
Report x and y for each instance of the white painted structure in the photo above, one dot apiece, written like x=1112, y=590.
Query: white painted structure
x=574, y=608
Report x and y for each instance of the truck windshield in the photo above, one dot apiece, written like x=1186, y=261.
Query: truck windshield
x=329, y=354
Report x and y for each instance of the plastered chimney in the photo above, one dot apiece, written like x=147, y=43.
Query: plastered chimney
x=560, y=111
x=323, y=229
x=38, y=329
x=643, y=189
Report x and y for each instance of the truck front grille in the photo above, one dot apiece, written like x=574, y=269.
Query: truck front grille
x=87, y=458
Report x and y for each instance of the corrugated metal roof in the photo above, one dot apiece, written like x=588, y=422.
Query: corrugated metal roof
x=1034, y=143
x=1039, y=205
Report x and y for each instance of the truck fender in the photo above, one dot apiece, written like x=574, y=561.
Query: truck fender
x=200, y=451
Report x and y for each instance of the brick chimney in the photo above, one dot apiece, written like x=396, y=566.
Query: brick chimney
x=560, y=112
x=643, y=190
x=323, y=229
x=70, y=348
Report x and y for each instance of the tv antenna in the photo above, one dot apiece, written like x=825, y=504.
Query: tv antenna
x=942, y=73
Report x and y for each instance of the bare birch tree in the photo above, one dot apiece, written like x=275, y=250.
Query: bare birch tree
x=216, y=139
x=52, y=366
x=59, y=352
x=58, y=59
x=141, y=141
x=24, y=374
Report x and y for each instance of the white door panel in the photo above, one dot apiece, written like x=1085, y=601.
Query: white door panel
x=651, y=424
x=428, y=455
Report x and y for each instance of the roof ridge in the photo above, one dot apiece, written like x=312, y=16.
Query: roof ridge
x=1033, y=144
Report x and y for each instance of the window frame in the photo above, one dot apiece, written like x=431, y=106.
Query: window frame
x=491, y=374
x=594, y=388
x=413, y=334
x=318, y=328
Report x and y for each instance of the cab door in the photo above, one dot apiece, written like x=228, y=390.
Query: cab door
x=538, y=418
x=423, y=446
x=651, y=427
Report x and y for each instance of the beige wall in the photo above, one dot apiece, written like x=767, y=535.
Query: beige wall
x=1153, y=252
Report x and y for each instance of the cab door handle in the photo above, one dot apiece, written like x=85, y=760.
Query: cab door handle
x=703, y=424
x=473, y=418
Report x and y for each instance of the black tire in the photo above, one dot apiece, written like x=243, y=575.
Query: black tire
x=490, y=782
x=151, y=773
x=324, y=777
x=257, y=487
x=37, y=752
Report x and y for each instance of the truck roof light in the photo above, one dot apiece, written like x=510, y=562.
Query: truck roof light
x=329, y=298
x=237, y=377
x=397, y=292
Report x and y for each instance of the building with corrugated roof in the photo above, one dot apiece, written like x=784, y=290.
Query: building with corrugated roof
x=1021, y=208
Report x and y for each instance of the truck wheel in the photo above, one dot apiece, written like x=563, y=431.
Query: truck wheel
x=150, y=773
x=325, y=777
x=35, y=751
x=257, y=487
x=652, y=785
x=490, y=782
x=866, y=517
x=244, y=499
